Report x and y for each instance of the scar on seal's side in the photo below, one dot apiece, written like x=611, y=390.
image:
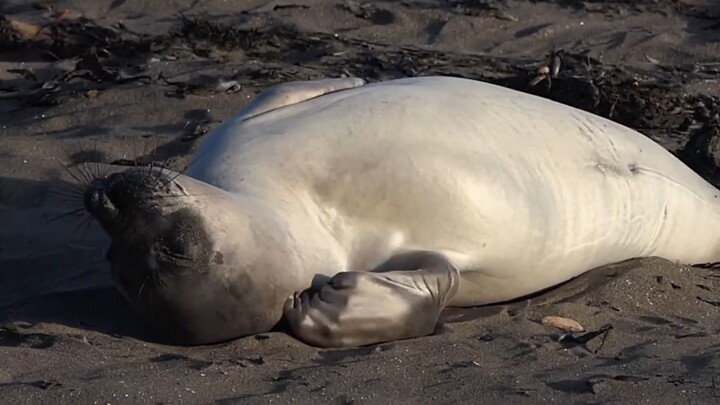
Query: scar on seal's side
x=359, y=211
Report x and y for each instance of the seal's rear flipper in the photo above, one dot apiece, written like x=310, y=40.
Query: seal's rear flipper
x=359, y=308
x=285, y=94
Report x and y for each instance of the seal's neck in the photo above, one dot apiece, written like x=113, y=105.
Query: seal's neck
x=290, y=219
x=294, y=214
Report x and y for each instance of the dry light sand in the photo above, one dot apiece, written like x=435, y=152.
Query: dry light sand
x=142, y=84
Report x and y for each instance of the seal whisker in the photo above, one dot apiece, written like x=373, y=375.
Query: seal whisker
x=180, y=173
x=71, y=199
x=160, y=174
x=174, y=177
x=154, y=153
x=142, y=286
x=70, y=192
x=67, y=190
x=84, y=225
x=89, y=173
x=156, y=278
x=67, y=214
x=96, y=171
x=86, y=174
x=86, y=169
x=135, y=154
x=162, y=197
x=150, y=306
x=70, y=172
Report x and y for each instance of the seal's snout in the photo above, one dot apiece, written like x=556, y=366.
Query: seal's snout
x=92, y=195
x=125, y=196
x=97, y=195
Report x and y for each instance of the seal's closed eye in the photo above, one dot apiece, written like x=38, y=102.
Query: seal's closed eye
x=184, y=241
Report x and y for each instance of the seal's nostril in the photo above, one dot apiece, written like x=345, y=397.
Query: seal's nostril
x=104, y=201
x=91, y=197
x=96, y=194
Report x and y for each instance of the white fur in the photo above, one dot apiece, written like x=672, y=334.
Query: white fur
x=521, y=192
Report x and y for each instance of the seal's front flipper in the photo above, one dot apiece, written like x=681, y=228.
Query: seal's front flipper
x=358, y=308
x=285, y=94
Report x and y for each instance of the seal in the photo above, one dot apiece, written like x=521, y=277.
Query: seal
x=357, y=212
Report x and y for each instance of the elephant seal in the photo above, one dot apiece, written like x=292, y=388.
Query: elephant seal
x=359, y=211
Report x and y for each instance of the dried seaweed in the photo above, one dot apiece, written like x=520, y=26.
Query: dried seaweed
x=67, y=39
x=638, y=6
x=649, y=101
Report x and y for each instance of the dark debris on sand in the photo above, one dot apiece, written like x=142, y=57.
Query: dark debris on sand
x=498, y=8
x=202, y=35
x=66, y=39
x=616, y=7
x=649, y=101
x=102, y=55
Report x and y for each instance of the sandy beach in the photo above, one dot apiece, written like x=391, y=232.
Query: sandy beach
x=129, y=82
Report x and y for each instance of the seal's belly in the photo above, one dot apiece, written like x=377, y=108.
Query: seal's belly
x=518, y=228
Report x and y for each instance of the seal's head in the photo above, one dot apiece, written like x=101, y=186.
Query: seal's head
x=189, y=255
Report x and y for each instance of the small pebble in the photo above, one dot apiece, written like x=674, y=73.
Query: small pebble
x=564, y=324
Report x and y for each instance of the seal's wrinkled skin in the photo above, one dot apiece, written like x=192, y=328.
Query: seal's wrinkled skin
x=360, y=211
